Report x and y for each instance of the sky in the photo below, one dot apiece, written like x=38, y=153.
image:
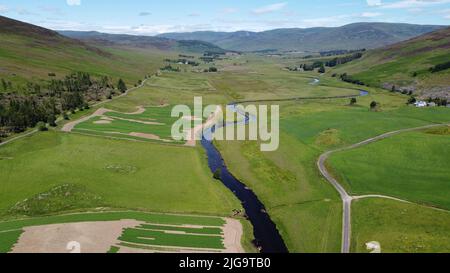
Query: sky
x=151, y=17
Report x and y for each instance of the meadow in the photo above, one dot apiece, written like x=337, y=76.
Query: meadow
x=124, y=174
x=413, y=166
x=399, y=227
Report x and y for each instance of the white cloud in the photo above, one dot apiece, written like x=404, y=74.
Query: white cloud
x=229, y=10
x=446, y=13
x=270, y=8
x=73, y=2
x=405, y=4
x=371, y=14
x=374, y=3
x=3, y=9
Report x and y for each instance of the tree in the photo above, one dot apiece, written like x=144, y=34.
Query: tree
x=353, y=101
x=412, y=100
x=41, y=126
x=51, y=119
x=4, y=84
x=393, y=88
x=121, y=86
x=373, y=105
x=321, y=69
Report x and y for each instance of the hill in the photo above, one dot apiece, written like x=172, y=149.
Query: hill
x=352, y=36
x=29, y=53
x=146, y=42
x=406, y=66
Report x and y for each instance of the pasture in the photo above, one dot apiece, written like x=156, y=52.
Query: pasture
x=399, y=227
x=413, y=166
x=122, y=174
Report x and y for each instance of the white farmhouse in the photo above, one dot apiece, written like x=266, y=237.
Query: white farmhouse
x=420, y=103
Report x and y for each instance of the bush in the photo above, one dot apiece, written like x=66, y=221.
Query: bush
x=51, y=120
x=353, y=101
x=218, y=174
x=41, y=126
x=373, y=105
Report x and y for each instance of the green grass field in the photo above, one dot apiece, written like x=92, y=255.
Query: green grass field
x=399, y=227
x=44, y=161
x=160, y=238
x=413, y=166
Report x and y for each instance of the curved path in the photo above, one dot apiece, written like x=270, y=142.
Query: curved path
x=19, y=137
x=346, y=198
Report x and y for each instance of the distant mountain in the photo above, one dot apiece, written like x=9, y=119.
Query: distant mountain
x=406, y=66
x=352, y=36
x=161, y=43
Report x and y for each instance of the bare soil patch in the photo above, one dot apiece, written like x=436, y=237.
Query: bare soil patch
x=233, y=234
x=146, y=136
x=93, y=237
x=70, y=125
x=102, y=122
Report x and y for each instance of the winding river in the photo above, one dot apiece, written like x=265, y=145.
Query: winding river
x=267, y=236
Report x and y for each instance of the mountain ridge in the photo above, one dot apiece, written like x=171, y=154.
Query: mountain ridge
x=349, y=37
x=139, y=41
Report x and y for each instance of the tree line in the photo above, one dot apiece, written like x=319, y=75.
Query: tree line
x=440, y=67
x=21, y=109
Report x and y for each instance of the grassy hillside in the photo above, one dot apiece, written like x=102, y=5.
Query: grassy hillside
x=30, y=53
x=353, y=36
x=406, y=65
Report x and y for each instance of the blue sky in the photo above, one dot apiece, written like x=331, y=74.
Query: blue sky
x=149, y=17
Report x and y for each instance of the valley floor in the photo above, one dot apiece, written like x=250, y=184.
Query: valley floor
x=168, y=177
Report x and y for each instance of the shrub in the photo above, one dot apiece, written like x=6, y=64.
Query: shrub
x=218, y=174
x=41, y=126
x=373, y=105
